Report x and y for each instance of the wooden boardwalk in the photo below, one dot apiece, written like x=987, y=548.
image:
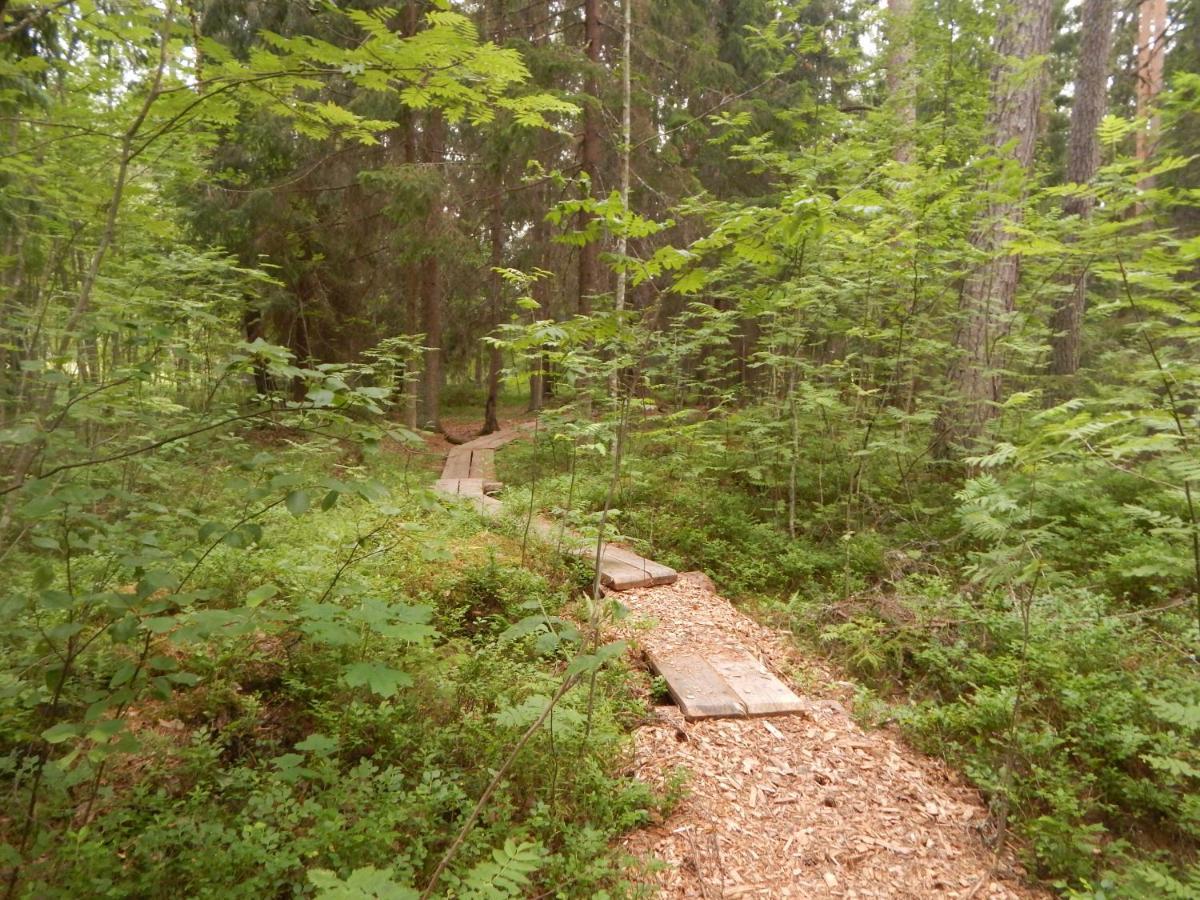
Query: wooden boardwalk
x=729, y=684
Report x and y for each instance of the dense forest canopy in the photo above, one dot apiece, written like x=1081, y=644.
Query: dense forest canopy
x=882, y=313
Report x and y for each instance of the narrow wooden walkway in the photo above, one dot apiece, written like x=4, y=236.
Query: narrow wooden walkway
x=470, y=473
x=731, y=684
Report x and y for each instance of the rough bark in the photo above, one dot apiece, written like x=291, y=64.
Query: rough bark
x=412, y=271
x=491, y=421
x=900, y=83
x=990, y=289
x=1083, y=159
x=431, y=289
x=589, y=154
x=1151, y=46
x=541, y=294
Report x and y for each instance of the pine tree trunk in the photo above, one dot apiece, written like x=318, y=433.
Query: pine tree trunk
x=1151, y=47
x=412, y=270
x=1083, y=159
x=541, y=294
x=491, y=421
x=900, y=83
x=431, y=289
x=990, y=290
x=589, y=152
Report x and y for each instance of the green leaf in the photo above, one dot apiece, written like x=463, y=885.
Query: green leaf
x=367, y=883
x=297, y=502
x=63, y=731
x=318, y=744
x=261, y=594
x=378, y=678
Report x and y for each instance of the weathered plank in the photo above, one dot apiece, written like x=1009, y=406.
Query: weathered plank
x=621, y=569
x=656, y=572
x=469, y=472
x=761, y=693
x=697, y=689
x=458, y=463
x=483, y=463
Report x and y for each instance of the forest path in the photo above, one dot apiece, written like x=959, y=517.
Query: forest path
x=470, y=473
x=806, y=804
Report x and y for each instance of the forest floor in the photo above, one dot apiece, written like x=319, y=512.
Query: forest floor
x=801, y=805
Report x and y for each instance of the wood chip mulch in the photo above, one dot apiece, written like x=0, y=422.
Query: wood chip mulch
x=805, y=805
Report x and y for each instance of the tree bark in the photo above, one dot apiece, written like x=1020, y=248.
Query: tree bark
x=900, y=83
x=589, y=155
x=1151, y=46
x=491, y=421
x=1083, y=159
x=431, y=287
x=990, y=290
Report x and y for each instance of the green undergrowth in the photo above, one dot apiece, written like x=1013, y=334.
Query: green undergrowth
x=322, y=702
x=1062, y=681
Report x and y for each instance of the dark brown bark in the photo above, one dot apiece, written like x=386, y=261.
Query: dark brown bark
x=989, y=292
x=589, y=155
x=1083, y=159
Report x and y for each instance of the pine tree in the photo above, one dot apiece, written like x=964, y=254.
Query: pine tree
x=990, y=289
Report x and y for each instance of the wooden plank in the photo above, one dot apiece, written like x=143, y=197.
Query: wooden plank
x=489, y=506
x=483, y=463
x=761, y=693
x=621, y=569
x=447, y=486
x=460, y=487
x=696, y=687
x=619, y=576
x=470, y=487
x=657, y=572
x=458, y=464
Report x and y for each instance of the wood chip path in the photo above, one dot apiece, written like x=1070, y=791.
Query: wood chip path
x=806, y=805
x=802, y=805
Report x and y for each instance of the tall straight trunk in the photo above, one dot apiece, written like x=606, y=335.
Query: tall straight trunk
x=540, y=290
x=431, y=286
x=1083, y=159
x=626, y=148
x=900, y=81
x=990, y=290
x=412, y=269
x=1151, y=50
x=491, y=421
x=589, y=155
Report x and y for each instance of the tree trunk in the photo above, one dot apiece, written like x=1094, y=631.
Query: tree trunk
x=412, y=269
x=431, y=288
x=900, y=83
x=491, y=420
x=589, y=152
x=990, y=290
x=1083, y=159
x=1151, y=47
